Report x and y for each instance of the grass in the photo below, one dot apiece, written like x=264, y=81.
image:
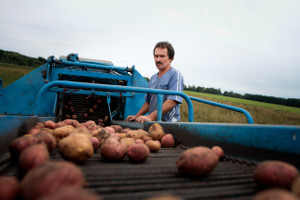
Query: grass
x=262, y=113
x=245, y=101
x=11, y=72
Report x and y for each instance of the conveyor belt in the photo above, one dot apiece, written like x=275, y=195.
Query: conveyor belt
x=125, y=180
x=231, y=179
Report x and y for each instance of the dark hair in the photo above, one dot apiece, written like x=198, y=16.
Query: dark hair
x=167, y=45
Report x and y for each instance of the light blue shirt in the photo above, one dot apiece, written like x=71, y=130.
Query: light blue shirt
x=171, y=80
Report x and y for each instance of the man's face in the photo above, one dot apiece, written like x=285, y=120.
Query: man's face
x=161, y=58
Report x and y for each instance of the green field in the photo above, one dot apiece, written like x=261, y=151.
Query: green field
x=245, y=101
x=262, y=113
x=10, y=72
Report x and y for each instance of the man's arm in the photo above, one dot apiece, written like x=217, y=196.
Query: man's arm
x=144, y=109
x=167, y=105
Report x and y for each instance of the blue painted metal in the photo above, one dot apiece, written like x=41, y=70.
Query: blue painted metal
x=46, y=88
x=159, y=106
x=281, y=138
x=101, y=66
x=245, y=112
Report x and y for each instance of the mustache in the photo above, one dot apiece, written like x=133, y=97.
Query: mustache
x=158, y=62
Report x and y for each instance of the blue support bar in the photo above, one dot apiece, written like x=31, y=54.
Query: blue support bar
x=72, y=84
x=245, y=112
x=159, y=106
x=102, y=66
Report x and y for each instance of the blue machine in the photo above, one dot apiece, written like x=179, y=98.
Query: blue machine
x=69, y=87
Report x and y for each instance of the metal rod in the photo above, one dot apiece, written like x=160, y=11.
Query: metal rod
x=102, y=66
x=73, y=84
x=245, y=112
x=159, y=106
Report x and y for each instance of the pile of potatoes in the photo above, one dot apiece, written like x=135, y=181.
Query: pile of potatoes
x=76, y=142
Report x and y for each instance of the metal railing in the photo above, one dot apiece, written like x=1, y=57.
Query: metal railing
x=94, y=86
x=159, y=93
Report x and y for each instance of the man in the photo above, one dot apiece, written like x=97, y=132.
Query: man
x=167, y=78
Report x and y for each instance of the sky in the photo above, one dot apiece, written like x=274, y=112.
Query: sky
x=244, y=46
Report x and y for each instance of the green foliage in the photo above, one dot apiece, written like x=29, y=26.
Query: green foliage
x=18, y=59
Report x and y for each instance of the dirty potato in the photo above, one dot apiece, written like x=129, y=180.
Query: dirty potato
x=138, y=153
x=273, y=173
x=153, y=145
x=49, y=178
x=197, y=161
x=167, y=141
x=156, y=131
x=32, y=157
x=76, y=148
x=113, y=149
x=9, y=187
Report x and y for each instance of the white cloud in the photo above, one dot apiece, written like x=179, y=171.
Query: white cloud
x=218, y=30
x=173, y=14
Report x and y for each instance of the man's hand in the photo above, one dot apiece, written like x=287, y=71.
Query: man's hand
x=143, y=118
x=131, y=118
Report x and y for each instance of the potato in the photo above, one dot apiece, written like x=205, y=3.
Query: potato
x=34, y=130
x=197, y=161
x=32, y=157
x=138, y=153
x=156, y=131
x=83, y=130
x=50, y=124
x=146, y=138
x=118, y=128
x=109, y=129
x=153, y=145
x=19, y=144
x=167, y=141
x=95, y=143
x=274, y=173
x=72, y=122
x=137, y=134
x=296, y=186
x=49, y=178
x=275, y=194
x=72, y=194
x=60, y=124
x=89, y=123
x=128, y=141
x=47, y=138
x=113, y=149
x=99, y=133
x=139, y=141
x=219, y=151
x=61, y=132
x=9, y=187
x=76, y=147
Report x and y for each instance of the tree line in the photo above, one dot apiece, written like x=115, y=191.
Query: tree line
x=18, y=59
x=255, y=97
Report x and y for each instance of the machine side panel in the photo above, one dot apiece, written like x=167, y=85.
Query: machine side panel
x=134, y=103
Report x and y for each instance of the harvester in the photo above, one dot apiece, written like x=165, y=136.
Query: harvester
x=70, y=87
